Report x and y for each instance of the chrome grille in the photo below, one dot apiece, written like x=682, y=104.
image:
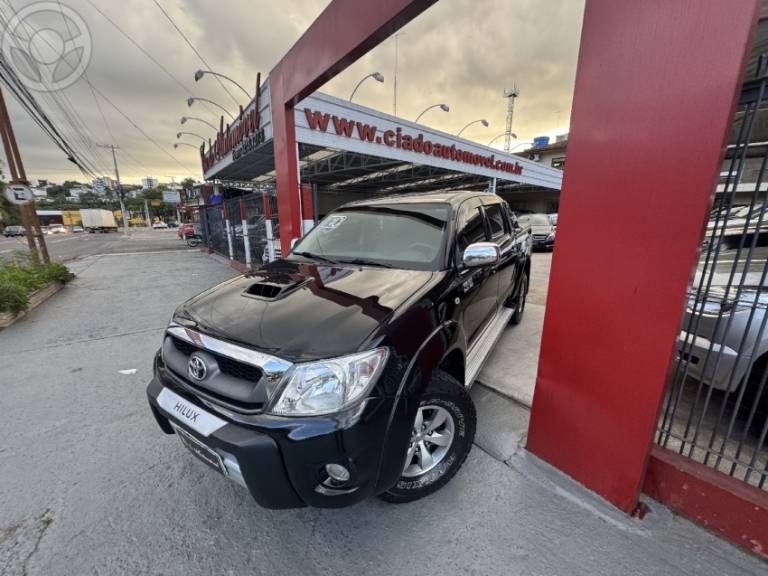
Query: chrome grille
x=226, y=365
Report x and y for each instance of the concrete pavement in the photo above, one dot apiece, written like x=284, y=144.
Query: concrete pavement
x=89, y=484
x=511, y=368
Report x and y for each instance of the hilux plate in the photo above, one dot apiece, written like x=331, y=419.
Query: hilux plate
x=201, y=451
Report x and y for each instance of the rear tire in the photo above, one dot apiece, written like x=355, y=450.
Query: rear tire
x=517, y=315
x=446, y=415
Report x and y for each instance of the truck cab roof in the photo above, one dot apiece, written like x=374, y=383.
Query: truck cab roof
x=446, y=197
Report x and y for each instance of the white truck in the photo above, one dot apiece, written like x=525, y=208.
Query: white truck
x=98, y=220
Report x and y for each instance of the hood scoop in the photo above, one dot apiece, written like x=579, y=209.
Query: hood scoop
x=270, y=290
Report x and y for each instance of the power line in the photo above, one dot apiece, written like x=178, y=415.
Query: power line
x=76, y=126
x=81, y=158
x=137, y=127
x=223, y=86
x=143, y=51
x=85, y=73
x=38, y=115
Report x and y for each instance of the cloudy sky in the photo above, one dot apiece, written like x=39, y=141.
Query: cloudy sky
x=461, y=52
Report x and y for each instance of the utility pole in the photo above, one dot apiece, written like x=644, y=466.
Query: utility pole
x=18, y=176
x=511, y=96
x=394, y=94
x=120, y=192
x=146, y=213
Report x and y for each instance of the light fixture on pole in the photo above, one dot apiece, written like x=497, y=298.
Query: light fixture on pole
x=513, y=135
x=200, y=73
x=524, y=143
x=184, y=120
x=177, y=144
x=482, y=121
x=192, y=99
x=180, y=134
x=378, y=76
x=443, y=107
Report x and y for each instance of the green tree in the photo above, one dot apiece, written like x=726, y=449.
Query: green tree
x=152, y=194
x=90, y=200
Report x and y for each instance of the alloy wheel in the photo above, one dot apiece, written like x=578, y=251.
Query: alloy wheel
x=431, y=438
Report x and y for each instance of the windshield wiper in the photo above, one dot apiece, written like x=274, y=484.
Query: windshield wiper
x=312, y=256
x=364, y=262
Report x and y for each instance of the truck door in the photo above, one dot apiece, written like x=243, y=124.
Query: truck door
x=478, y=288
x=501, y=233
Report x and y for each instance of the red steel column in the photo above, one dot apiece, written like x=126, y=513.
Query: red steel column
x=343, y=32
x=286, y=172
x=654, y=98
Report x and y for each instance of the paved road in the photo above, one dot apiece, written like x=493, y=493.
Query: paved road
x=67, y=247
x=89, y=484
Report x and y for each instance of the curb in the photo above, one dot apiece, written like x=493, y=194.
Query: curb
x=35, y=299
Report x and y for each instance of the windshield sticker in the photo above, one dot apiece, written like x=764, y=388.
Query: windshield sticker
x=333, y=222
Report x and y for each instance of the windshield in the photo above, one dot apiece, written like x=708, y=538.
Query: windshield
x=397, y=235
x=534, y=219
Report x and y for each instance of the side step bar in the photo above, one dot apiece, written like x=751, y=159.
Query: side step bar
x=481, y=348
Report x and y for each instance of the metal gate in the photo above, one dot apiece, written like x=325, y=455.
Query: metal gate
x=716, y=408
x=224, y=223
x=214, y=230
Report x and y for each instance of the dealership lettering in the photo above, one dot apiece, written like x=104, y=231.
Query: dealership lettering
x=230, y=138
x=248, y=144
x=397, y=139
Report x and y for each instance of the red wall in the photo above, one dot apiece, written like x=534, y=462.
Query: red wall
x=655, y=87
x=725, y=505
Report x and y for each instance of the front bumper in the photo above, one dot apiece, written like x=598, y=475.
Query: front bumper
x=698, y=351
x=543, y=244
x=281, y=461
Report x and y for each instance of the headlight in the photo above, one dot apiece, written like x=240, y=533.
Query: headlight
x=329, y=386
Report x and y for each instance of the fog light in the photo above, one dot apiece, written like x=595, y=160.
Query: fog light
x=337, y=472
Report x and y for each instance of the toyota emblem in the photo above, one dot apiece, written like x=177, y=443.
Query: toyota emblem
x=196, y=367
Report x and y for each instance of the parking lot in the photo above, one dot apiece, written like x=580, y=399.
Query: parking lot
x=70, y=246
x=89, y=484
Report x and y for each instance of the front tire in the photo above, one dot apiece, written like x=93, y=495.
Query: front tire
x=442, y=436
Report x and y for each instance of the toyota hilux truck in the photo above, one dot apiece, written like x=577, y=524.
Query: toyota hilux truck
x=342, y=370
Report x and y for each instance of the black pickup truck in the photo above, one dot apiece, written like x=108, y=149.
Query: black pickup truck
x=342, y=370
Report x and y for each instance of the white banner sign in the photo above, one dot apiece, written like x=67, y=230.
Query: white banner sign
x=171, y=196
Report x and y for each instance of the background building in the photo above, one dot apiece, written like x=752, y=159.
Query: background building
x=545, y=201
x=149, y=182
x=103, y=184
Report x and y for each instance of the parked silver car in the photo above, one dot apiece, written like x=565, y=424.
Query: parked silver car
x=720, y=352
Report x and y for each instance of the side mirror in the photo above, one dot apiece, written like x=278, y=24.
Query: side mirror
x=481, y=254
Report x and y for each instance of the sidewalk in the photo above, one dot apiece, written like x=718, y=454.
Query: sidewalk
x=511, y=368
x=89, y=485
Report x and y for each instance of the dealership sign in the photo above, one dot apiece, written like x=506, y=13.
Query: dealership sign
x=409, y=142
x=242, y=136
x=329, y=122
x=332, y=123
